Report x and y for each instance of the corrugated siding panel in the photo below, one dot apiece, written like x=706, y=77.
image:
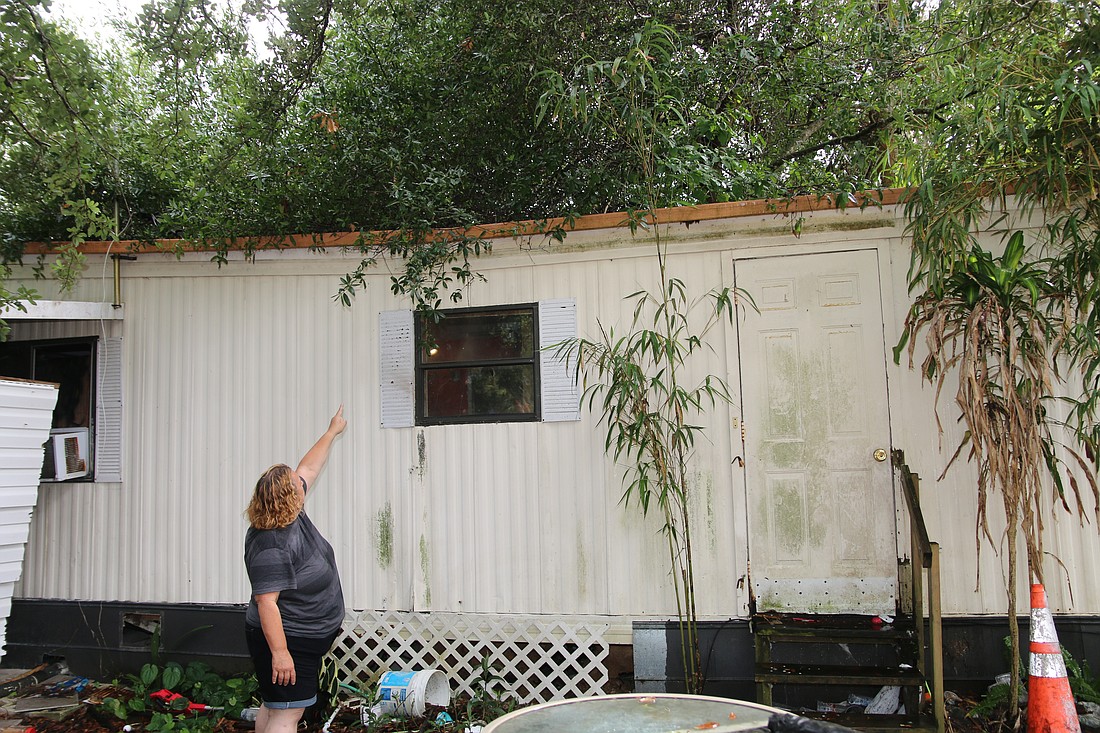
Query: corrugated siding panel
x=226, y=375
x=577, y=501
x=229, y=371
x=26, y=413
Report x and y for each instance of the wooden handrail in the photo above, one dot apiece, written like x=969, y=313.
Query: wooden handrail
x=912, y=504
x=935, y=625
x=929, y=553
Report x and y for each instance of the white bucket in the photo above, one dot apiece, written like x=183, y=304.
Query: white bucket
x=406, y=694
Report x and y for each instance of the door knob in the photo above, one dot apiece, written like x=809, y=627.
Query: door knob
x=879, y=454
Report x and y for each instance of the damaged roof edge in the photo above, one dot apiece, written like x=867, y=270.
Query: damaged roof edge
x=588, y=222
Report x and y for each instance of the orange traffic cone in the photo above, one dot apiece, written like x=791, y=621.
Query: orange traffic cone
x=1050, y=706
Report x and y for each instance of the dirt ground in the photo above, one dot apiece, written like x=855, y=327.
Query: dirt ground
x=91, y=718
x=88, y=719
x=85, y=720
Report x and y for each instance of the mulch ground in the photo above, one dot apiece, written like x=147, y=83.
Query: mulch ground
x=85, y=720
x=92, y=718
x=89, y=719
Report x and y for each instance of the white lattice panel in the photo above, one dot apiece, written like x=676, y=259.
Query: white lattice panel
x=539, y=660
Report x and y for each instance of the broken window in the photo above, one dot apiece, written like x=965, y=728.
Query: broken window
x=85, y=437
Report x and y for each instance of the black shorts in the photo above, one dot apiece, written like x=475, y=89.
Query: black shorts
x=306, y=651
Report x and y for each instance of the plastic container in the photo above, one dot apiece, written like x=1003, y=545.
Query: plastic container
x=407, y=694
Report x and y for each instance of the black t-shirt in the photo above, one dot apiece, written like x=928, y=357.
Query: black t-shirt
x=299, y=563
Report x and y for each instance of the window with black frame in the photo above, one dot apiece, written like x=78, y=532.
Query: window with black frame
x=69, y=363
x=477, y=365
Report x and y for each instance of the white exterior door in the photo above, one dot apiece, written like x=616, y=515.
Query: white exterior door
x=822, y=535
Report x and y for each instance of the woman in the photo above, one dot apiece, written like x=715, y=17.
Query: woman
x=297, y=604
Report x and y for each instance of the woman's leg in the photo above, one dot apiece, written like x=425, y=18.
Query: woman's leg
x=278, y=720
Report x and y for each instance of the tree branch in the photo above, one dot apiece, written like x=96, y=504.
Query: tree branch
x=859, y=135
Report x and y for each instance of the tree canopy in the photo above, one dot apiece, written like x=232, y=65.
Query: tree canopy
x=388, y=115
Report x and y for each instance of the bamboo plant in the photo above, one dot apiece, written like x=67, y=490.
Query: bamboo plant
x=637, y=379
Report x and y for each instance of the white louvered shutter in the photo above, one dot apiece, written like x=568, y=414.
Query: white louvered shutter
x=108, y=424
x=396, y=368
x=560, y=396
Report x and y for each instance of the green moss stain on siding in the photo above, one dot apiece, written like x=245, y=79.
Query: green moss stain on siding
x=421, y=454
x=384, y=535
x=426, y=569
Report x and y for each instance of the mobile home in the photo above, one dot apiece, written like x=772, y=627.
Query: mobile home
x=473, y=515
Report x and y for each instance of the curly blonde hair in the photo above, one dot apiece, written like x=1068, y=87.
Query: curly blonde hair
x=276, y=500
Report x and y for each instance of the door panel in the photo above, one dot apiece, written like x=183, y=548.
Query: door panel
x=822, y=533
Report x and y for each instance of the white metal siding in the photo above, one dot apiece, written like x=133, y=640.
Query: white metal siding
x=26, y=413
x=227, y=371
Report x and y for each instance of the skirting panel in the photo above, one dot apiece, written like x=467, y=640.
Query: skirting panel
x=531, y=660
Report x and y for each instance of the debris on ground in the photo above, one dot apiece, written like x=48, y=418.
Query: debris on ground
x=54, y=701
x=1090, y=715
x=65, y=703
x=15, y=680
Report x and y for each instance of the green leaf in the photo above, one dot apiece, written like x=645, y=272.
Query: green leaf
x=1014, y=251
x=116, y=708
x=172, y=675
x=149, y=673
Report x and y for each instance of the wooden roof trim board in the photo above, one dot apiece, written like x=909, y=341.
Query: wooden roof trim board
x=589, y=222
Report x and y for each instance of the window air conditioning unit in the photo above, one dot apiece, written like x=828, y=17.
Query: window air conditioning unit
x=66, y=454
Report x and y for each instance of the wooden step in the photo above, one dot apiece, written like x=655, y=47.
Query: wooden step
x=810, y=674
x=888, y=647
x=890, y=635
x=831, y=629
x=877, y=723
